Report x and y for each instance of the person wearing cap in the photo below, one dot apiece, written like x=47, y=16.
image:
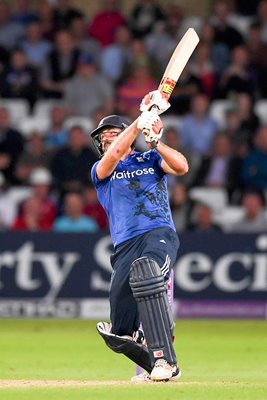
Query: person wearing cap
x=88, y=90
x=132, y=188
x=41, y=181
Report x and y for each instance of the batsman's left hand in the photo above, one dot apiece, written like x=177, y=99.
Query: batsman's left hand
x=155, y=100
x=151, y=126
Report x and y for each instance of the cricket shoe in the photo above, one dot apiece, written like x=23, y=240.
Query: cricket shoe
x=163, y=371
x=141, y=378
x=146, y=377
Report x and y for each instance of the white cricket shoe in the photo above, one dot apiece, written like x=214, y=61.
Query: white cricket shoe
x=163, y=371
x=141, y=378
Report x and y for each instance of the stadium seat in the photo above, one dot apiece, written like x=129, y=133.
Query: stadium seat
x=228, y=216
x=260, y=109
x=171, y=121
x=31, y=124
x=241, y=23
x=18, y=110
x=42, y=108
x=86, y=123
x=216, y=198
x=218, y=109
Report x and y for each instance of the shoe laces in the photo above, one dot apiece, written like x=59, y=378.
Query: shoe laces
x=146, y=376
x=161, y=363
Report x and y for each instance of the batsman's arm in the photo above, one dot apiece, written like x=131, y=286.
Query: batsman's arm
x=116, y=151
x=173, y=162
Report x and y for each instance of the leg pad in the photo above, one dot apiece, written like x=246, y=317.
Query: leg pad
x=149, y=290
x=136, y=352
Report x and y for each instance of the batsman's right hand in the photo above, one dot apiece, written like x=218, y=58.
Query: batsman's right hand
x=155, y=100
x=151, y=125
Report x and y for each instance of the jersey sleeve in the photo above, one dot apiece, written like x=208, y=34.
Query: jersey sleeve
x=97, y=182
x=95, y=179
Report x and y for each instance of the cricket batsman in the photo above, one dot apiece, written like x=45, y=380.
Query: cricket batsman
x=132, y=188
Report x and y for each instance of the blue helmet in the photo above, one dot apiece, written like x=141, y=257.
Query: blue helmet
x=111, y=121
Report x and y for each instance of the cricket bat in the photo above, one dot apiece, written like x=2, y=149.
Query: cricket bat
x=178, y=61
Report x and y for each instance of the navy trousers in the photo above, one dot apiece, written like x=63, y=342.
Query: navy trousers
x=161, y=245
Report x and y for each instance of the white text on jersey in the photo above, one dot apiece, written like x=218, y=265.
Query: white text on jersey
x=132, y=174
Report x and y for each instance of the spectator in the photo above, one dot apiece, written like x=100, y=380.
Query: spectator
x=216, y=167
x=23, y=12
x=233, y=130
x=93, y=209
x=85, y=44
x=143, y=17
x=34, y=155
x=159, y=44
x=88, y=90
x=254, y=168
x=224, y=32
x=11, y=146
x=134, y=88
x=172, y=138
x=46, y=17
x=65, y=13
x=203, y=68
x=257, y=49
x=7, y=206
x=20, y=79
x=74, y=220
x=10, y=32
x=262, y=18
x=99, y=114
x=41, y=181
x=198, y=128
x=174, y=23
x=57, y=135
x=115, y=58
x=104, y=24
x=30, y=217
x=238, y=77
x=182, y=95
x=36, y=49
x=180, y=206
x=59, y=66
x=203, y=220
x=71, y=164
x=249, y=121
x=219, y=52
x=254, y=219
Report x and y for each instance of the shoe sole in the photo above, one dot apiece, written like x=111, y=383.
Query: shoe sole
x=171, y=379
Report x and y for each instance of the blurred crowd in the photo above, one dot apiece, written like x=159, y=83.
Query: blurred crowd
x=84, y=67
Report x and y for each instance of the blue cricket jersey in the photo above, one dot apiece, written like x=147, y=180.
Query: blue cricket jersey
x=135, y=196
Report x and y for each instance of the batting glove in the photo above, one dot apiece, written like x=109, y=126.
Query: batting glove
x=151, y=125
x=156, y=100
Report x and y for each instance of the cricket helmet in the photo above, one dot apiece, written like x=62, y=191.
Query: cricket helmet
x=111, y=121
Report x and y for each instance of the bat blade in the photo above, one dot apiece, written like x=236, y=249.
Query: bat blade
x=178, y=61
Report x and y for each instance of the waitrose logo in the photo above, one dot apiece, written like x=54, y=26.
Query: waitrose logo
x=132, y=174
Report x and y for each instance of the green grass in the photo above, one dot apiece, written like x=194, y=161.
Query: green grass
x=219, y=359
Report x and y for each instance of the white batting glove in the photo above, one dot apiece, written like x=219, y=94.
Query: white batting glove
x=156, y=100
x=151, y=125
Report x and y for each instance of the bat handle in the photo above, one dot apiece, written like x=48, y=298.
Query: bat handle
x=146, y=131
